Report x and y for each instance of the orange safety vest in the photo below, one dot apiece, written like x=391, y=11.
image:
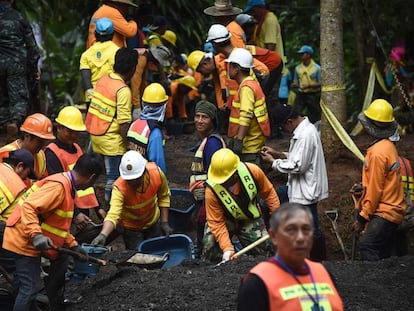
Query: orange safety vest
x=39, y=160
x=140, y=132
x=140, y=208
x=11, y=186
x=84, y=198
x=260, y=110
x=407, y=180
x=55, y=225
x=285, y=293
x=198, y=171
x=102, y=109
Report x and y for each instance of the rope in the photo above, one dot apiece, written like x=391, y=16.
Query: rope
x=400, y=86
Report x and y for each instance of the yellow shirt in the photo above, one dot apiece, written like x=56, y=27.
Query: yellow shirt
x=99, y=59
x=270, y=33
x=117, y=201
x=112, y=143
x=254, y=140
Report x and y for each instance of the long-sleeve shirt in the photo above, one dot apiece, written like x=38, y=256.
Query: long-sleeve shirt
x=117, y=200
x=305, y=166
x=155, y=150
x=122, y=28
x=216, y=216
x=381, y=177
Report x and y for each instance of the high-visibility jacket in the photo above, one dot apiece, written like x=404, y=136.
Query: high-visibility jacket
x=39, y=159
x=140, y=132
x=285, y=293
x=140, y=208
x=55, y=225
x=84, y=198
x=102, y=109
x=11, y=186
x=241, y=207
x=260, y=110
x=407, y=180
x=198, y=171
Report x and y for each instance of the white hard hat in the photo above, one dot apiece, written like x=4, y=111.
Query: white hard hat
x=132, y=165
x=242, y=57
x=218, y=33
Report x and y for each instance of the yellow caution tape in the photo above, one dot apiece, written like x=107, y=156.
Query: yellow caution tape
x=340, y=131
x=331, y=88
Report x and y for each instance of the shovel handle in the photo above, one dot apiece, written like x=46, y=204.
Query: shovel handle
x=79, y=256
x=250, y=246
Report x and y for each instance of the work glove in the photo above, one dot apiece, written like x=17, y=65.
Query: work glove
x=136, y=113
x=238, y=146
x=41, y=242
x=227, y=256
x=89, y=94
x=165, y=228
x=99, y=240
x=79, y=250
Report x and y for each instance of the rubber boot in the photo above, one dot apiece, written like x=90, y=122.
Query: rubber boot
x=318, y=251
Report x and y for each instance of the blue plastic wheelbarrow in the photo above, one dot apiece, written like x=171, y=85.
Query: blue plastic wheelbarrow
x=178, y=247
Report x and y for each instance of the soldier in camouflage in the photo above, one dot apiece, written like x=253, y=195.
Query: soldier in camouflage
x=19, y=55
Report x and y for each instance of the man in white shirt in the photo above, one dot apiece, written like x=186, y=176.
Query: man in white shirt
x=305, y=165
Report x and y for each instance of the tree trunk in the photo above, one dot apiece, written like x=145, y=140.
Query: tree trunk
x=332, y=74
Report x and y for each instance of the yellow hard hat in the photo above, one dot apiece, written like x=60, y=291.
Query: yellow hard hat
x=187, y=81
x=71, y=117
x=38, y=125
x=170, y=37
x=194, y=59
x=224, y=163
x=380, y=110
x=154, y=94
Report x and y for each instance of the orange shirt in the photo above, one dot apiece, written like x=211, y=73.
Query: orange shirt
x=216, y=216
x=122, y=28
x=238, y=37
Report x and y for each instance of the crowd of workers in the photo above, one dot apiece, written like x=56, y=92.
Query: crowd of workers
x=236, y=92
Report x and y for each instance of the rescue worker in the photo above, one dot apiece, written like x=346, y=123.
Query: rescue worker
x=304, y=164
x=116, y=11
x=307, y=79
x=156, y=56
x=266, y=285
x=176, y=105
x=109, y=114
x=169, y=39
x=139, y=204
x=205, y=121
x=19, y=55
x=41, y=221
x=145, y=135
x=249, y=123
x=382, y=206
x=37, y=130
x=224, y=13
x=61, y=156
x=233, y=190
x=99, y=59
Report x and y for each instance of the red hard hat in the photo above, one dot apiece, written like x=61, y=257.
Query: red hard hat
x=39, y=125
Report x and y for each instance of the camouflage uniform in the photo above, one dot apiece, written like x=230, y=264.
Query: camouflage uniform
x=18, y=61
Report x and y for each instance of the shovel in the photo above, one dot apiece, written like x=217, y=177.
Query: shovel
x=147, y=261
x=333, y=216
x=246, y=249
x=79, y=256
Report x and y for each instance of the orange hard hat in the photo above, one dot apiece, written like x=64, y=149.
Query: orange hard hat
x=38, y=125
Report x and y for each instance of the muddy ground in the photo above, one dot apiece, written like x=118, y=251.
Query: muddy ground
x=196, y=285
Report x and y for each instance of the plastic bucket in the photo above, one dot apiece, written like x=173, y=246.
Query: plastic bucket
x=85, y=268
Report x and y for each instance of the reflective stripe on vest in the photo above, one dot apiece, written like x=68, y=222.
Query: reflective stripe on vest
x=229, y=203
x=84, y=198
x=102, y=109
x=11, y=185
x=140, y=208
x=260, y=110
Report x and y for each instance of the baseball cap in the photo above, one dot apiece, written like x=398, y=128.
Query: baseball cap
x=104, y=26
x=282, y=114
x=252, y=3
x=305, y=49
x=243, y=19
x=23, y=155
